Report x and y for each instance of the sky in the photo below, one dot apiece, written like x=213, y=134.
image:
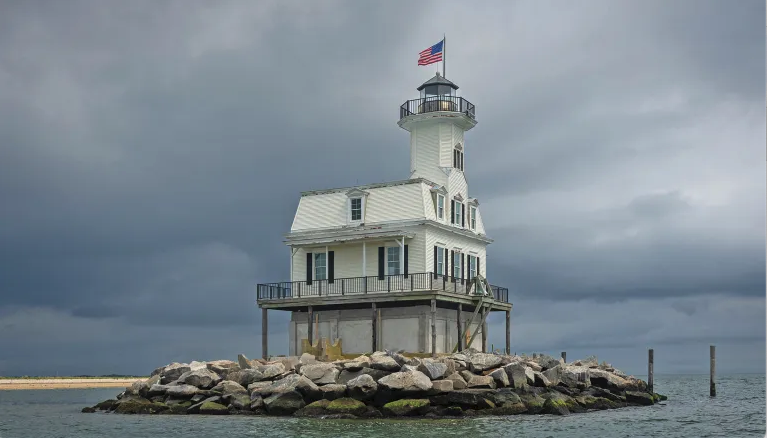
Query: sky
x=152, y=154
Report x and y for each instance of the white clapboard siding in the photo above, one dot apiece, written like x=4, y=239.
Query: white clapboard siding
x=321, y=211
x=457, y=184
x=451, y=241
x=425, y=145
x=394, y=203
x=480, y=225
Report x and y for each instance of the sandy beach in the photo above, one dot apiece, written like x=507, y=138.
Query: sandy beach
x=66, y=383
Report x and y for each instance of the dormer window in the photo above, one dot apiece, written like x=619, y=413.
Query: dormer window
x=458, y=157
x=356, y=206
x=473, y=218
x=456, y=213
x=440, y=207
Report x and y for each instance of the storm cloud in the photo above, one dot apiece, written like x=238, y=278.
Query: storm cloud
x=152, y=155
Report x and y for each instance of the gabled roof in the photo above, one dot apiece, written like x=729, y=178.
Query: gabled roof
x=356, y=192
x=437, y=80
x=368, y=186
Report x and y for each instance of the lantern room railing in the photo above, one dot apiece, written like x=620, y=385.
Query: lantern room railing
x=437, y=103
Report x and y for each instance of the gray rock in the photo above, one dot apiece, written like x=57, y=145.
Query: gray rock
x=223, y=367
x=411, y=381
x=258, y=385
x=517, y=373
x=604, y=379
x=195, y=408
x=243, y=362
x=407, y=367
x=320, y=373
x=500, y=377
x=345, y=375
x=307, y=359
x=257, y=403
x=202, y=378
x=293, y=382
x=553, y=375
x=362, y=387
x=245, y=377
x=481, y=382
x=466, y=375
x=240, y=401
x=433, y=370
x=641, y=398
x=541, y=380
x=228, y=388
x=533, y=366
x=384, y=363
x=506, y=396
x=547, y=362
x=181, y=391
x=472, y=398
x=458, y=381
x=589, y=362
x=284, y=403
x=289, y=362
x=440, y=386
x=575, y=376
x=173, y=371
x=483, y=361
x=272, y=370
x=332, y=392
x=157, y=389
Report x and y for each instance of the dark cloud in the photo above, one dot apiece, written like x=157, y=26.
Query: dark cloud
x=152, y=157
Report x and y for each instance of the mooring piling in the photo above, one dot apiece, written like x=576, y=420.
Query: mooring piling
x=713, y=371
x=650, y=369
x=564, y=356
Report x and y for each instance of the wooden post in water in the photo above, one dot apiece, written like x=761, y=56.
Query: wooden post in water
x=433, y=328
x=713, y=371
x=264, y=334
x=460, y=327
x=310, y=325
x=508, y=332
x=564, y=356
x=650, y=369
x=374, y=328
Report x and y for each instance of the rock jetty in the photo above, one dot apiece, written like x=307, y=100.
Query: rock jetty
x=383, y=384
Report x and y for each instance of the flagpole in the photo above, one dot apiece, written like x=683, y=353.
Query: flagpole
x=444, y=54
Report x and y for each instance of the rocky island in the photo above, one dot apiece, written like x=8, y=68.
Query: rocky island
x=383, y=384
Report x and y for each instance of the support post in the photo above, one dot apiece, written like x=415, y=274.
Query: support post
x=460, y=329
x=564, y=356
x=310, y=325
x=433, y=328
x=364, y=265
x=484, y=329
x=508, y=331
x=264, y=334
x=650, y=369
x=712, y=353
x=375, y=328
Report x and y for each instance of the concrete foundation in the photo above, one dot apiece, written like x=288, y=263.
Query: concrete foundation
x=400, y=328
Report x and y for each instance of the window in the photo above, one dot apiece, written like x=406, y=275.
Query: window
x=457, y=209
x=472, y=266
x=458, y=159
x=320, y=271
x=356, y=206
x=457, y=265
x=440, y=261
x=473, y=218
x=440, y=207
x=392, y=260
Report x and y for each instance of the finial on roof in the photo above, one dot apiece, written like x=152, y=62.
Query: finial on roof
x=438, y=73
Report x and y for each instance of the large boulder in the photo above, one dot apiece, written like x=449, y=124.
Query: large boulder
x=202, y=378
x=384, y=362
x=332, y=392
x=307, y=359
x=320, y=373
x=346, y=375
x=405, y=407
x=228, y=388
x=245, y=377
x=240, y=402
x=558, y=404
x=222, y=367
x=271, y=371
x=157, y=389
x=172, y=372
x=640, y=398
x=195, y=408
x=362, y=387
x=433, y=370
x=553, y=375
x=284, y=403
x=244, y=362
x=293, y=382
x=288, y=362
x=483, y=361
x=500, y=377
x=357, y=363
x=517, y=373
x=346, y=406
x=589, y=362
x=541, y=380
x=546, y=362
x=472, y=398
x=481, y=382
x=440, y=386
x=575, y=377
x=607, y=380
x=458, y=381
x=533, y=402
x=411, y=381
x=181, y=391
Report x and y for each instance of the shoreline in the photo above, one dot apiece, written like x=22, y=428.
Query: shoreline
x=66, y=383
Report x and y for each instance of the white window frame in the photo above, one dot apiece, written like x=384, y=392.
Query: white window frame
x=457, y=264
x=472, y=266
x=351, y=209
x=473, y=217
x=440, y=208
x=398, y=269
x=324, y=272
x=440, y=261
x=457, y=213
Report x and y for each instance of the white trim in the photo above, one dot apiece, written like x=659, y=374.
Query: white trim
x=327, y=263
x=364, y=262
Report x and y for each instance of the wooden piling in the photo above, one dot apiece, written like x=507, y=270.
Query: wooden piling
x=264, y=334
x=564, y=356
x=712, y=353
x=508, y=332
x=374, y=330
x=310, y=325
x=484, y=330
x=433, y=328
x=461, y=347
x=650, y=369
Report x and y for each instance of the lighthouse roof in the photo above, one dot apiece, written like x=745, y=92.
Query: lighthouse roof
x=437, y=80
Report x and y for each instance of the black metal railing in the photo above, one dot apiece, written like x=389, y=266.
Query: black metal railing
x=424, y=281
x=436, y=103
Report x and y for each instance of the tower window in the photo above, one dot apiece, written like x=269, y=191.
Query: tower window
x=457, y=212
x=473, y=218
x=440, y=207
x=356, y=207
x=458, y=158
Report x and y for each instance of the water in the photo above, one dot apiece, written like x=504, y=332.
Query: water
x=737, y=411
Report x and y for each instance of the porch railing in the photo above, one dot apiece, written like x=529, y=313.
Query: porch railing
x=417, y=282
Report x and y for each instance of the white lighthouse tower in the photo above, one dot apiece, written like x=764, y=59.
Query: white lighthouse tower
x=392, y=265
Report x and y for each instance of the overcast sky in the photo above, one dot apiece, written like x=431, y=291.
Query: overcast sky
x=152, y=154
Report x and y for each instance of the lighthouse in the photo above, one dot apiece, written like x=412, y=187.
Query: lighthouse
x=398, y=265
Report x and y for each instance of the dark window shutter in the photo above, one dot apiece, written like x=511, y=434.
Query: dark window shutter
x=477, y=265
x=381, y=261
x=446, y=268
x=463, y=259
x=452, y=211
x=309, y=272
x=463, y=215
x=405, y=262
x=452, y=264
x=435, y=261
x=331, y=266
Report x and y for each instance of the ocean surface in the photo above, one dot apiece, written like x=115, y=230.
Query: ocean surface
x=737, y=411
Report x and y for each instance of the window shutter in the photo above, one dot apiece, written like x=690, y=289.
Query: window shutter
x=446, y=268
x=477, y=265
x=463, y=215
x=309, y=276
x=331, y=266
x=452, y=211
x=435, y=261
x=452, y=264
x=381, y=261
x=463, y=259
x=405, y=262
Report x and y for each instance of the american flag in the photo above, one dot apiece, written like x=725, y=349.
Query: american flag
x=431, y=55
